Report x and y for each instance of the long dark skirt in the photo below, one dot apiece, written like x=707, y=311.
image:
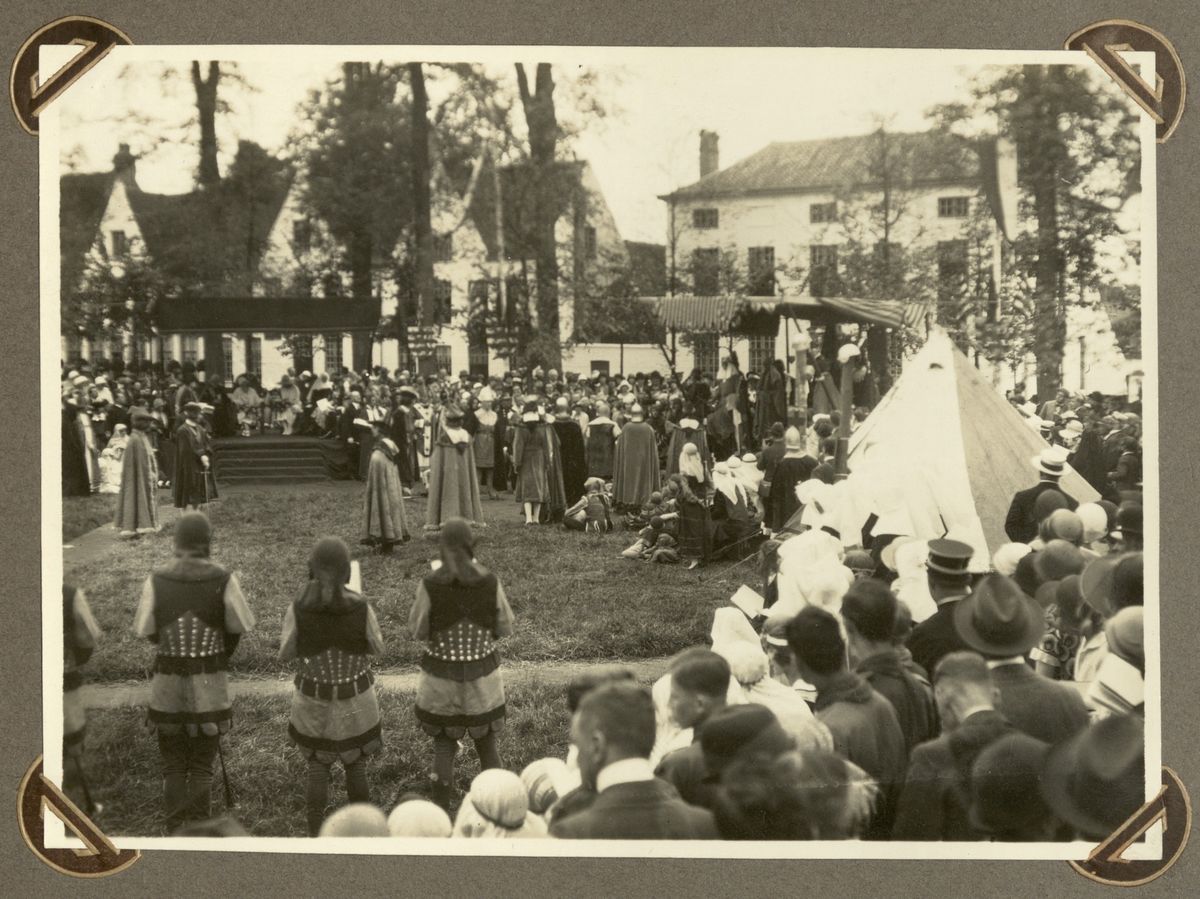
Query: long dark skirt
x=695, y=530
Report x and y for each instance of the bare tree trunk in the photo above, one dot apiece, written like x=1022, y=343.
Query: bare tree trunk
x=206, y=108
x=423, y=217
x=1049, y=329
x=542, y=121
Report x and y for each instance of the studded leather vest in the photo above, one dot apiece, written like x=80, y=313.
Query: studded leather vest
x=189, y=618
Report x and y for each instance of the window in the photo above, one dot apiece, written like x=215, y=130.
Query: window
x=333, y=353
x=191, y=348
x=600, y=367
x=477, y=298
x=254, y=357
x=589, y=242
x=762, y=271
x=301, y=235
x=820, y=213
x=441, y=357
x=72, y=348
x=952, y=280
x=120, y=246
x=443, y=309
x=762, y=351
x=823, y=270
x=227, y=354
x=953, y=207
x=706, y=218
x=706, y=272
x=706, y=350
x=302, y=352
x=443, y=247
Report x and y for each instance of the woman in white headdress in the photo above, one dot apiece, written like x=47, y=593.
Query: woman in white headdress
x=111, y=459
x=733, y=521
x=695, y=526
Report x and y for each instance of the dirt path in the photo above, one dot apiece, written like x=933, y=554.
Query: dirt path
x=552, y=674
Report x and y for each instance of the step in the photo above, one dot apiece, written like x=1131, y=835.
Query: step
x=271, y=478
x=269, y=463
x=271, y=458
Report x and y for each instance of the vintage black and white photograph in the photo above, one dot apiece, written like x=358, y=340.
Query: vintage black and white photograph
x=536, y=450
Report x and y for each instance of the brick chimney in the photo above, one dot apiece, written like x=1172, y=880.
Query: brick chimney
x=124, y=165
x=710, y=157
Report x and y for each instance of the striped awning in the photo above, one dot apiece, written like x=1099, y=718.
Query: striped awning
x=689, y=313
x=734, y=314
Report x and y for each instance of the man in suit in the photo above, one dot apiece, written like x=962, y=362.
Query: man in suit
x=863, y=724
x=613, y=731
x=349, y=433
x=699, y=685
x=1021, y=523
x=949, y=582
x=1003, y=624
x=869, y=614
x=935, y=800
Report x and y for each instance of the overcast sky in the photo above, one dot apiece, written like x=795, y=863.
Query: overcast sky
x=662, y=98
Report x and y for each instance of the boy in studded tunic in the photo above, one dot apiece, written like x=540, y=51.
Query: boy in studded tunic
x=194, y=611
x=331, y=632
x=459, y=612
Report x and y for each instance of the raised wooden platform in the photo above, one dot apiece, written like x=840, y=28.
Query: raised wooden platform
x=274, y=459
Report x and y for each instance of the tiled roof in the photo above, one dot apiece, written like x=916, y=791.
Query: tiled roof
x=283, y=314
x=688, y=313
x=518, y=186
x=82, y=199
x=206, y=241
x=796, y=166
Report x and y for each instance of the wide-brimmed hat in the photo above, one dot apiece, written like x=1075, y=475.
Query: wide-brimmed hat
x=1057, y=559
x=1051, y=461
x=949, y=557
x=1111, y=582
x=1006, y=785
x=405, y=390
x=1125, y=633
x=139, y=415
x=1129, y=519
x=453, y=413
x=887, y=556
x=1095, y=780
x=1073, y=428
x=997, y=619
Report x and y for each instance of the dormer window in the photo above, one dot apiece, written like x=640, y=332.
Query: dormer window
x=705, y=218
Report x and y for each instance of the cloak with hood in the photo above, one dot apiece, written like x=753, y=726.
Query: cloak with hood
x=383, y=507
x=635, y=465
x=137, y=501
x=453, y=481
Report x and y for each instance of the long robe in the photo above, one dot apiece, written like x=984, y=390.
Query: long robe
x=735, y=397
x=574, y=460
x=137, y=502
x=191, y=442
x=772, y=402
x=453, y=481
x=531, y=459
x=687, y=431
x=635, y=465
x=600, y=447
x=557, y=504
x=76, y=479
x=383, y=508
x=782, y=501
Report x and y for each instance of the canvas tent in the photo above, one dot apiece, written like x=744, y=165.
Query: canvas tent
x=942, y=455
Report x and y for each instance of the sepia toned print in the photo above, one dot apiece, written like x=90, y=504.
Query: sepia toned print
x=610, y=448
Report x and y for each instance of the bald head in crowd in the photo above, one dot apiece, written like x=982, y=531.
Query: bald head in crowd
x=962, y=685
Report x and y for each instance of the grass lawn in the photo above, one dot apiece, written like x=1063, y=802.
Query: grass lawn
x=267, y=773
x=81, y=514
x=574, y=597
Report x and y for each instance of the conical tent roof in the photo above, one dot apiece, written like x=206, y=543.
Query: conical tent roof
x=942, y=455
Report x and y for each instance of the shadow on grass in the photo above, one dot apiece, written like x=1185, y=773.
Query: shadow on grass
x=268, y=773
x=574, y=597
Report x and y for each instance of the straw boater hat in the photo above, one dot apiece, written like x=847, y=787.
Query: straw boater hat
x=998, y=620
x=1051, y=461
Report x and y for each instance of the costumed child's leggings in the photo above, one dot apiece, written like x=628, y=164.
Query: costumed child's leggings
x=317, y=794
x=446, y=748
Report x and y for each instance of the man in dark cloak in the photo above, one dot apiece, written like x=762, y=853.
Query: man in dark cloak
x=77, y=481
x=193, y=457
x=772, y=399
x=570, y=441
x=635, y=464
x=137, y=501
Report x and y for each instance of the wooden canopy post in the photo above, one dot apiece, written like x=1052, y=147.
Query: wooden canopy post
x=800, y=348
x=846, y=356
